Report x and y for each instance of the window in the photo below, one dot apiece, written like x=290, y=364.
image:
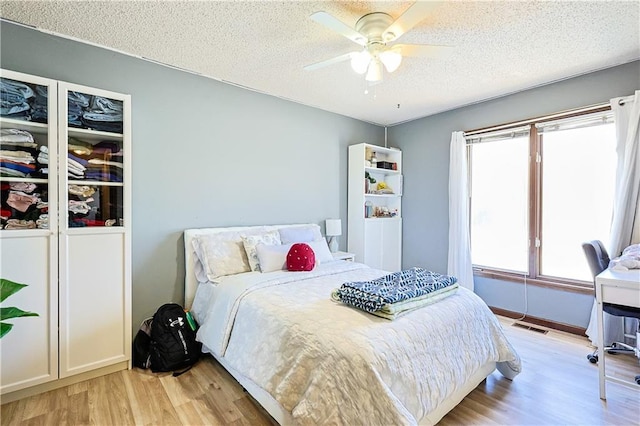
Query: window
x=537, y=193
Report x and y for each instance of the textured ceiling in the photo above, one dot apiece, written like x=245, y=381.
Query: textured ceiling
x=500, y=47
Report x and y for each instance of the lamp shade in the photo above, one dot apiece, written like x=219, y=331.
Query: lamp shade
x=333, y=227
x=391, y=59
x=374, y=73
x=360, y=61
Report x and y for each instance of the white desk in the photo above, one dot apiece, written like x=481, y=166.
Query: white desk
x=621, y=288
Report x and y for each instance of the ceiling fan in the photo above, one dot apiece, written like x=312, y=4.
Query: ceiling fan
x=376, y=32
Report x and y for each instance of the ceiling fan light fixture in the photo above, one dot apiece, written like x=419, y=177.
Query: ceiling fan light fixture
x=391, y=59
x=388, y=37
x=375, y=71
x=360, y=61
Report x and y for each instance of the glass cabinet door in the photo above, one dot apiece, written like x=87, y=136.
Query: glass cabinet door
x=93, y=143
x=27, y=148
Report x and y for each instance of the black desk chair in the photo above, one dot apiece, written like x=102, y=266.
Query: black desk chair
x=598, y=260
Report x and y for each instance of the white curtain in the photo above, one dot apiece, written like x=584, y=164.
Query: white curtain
x=459, y=260
x=625, y=224
x=626, y=113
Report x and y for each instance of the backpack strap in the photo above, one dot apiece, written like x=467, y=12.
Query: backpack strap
x=178, y=373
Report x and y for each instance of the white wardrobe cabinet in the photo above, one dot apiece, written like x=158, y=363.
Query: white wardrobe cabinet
x=71, y=246
x=375, y=206
x=384, y=244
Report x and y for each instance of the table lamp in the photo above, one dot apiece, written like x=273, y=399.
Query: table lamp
x=334, y=229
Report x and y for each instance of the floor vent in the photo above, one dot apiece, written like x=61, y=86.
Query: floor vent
x=530, y=327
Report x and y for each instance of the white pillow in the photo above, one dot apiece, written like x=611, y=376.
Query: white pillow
x=251, y=241
x=321, y=250
x=221, y=254
x=201, y=275
x=273, y=258
x=300, y=234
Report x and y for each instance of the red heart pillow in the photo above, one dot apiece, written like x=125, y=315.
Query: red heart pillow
x=301, y=258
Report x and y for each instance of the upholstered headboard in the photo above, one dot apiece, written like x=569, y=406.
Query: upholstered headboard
x=190, y=258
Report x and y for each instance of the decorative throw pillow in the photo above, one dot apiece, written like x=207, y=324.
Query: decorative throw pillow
x=321, y=250
x=300, y=234
x=221, y=254
x=251, y=241
x=301, y=258
x=273, y=258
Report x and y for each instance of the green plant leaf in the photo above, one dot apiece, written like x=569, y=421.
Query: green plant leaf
x=5, y=328
x=13, y=312
x=8, y=287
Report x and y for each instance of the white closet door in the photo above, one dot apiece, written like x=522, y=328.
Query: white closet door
x=373, y=233
x=93, y=303
x=29, y=351
x=392, y=245
x=94, y=238
x=383, y=240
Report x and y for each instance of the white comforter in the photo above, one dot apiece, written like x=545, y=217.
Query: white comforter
x=326, y=362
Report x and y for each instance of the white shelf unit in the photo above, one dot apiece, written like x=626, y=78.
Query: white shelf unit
x=375, y=233
x=79, y=278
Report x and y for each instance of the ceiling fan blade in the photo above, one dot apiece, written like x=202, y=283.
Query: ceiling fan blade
x=322, y=64
x=413, y=15
x=423, y=50
x=338, y=26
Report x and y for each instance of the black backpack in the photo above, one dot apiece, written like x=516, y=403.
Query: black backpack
x=171, y=341
x=142, y=345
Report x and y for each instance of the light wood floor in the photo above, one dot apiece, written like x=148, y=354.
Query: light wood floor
x=557, y=386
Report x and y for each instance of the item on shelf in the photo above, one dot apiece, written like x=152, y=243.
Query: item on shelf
x=26, y=187
x=43, y=221
x=104, y=114
x=23, y=201
x=14, y=99
x=76, y=103
x=17, y=153
x=79, y=147
x=385, y=191
x=39, y=112
x=368, y=180
x=82, y=190
x=20, y=224
x=20, y=201
x=16, y=137
x=382, y=211
x=386, y=165
x=368, y=209
x=374, y=160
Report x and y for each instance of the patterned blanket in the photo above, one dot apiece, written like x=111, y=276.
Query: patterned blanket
x=372, y=296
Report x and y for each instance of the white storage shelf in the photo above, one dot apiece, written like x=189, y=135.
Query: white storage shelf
x=385, y=172
x=376, y=240
x=29, y=126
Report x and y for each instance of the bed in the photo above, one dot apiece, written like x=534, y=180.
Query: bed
x=308, y=359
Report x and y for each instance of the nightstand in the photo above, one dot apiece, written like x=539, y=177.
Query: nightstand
x=343, y=255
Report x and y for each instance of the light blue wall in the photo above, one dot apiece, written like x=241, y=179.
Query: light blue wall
x=209, y=154
x=425, y=146
x=204, y=153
